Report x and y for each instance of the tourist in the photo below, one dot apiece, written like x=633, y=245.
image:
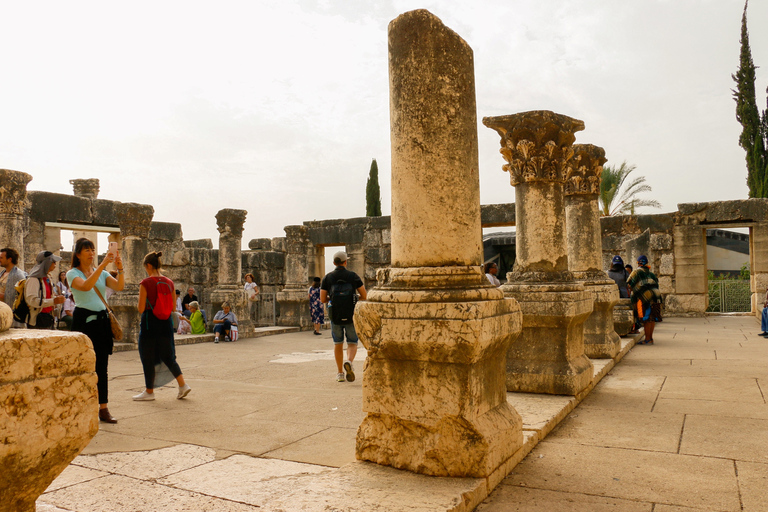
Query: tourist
x=250, y=287
x=636, y=325
x=189, y=297
x=491, y=269
x=619, y=276
x=182, y=324
x=179, y=307
x=341, y=319
x=41, y=294
x=764, y=322
x=62, y=286
x=156, y=332
x=88, y=285
x=66, y=315
x=646, y=297
x=223, y=322
x=196, y=321
x=10, y=274
x=110, y=291
x=316, y=312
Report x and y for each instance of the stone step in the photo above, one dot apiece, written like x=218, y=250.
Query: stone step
x=191, y=339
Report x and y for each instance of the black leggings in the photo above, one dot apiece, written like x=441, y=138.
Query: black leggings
x=156, y=345
x=100, y=333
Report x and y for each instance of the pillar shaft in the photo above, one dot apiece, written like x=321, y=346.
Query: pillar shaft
x=230, y=225
x=13, y=196
x=434, y=157
x=294, y=300
x=435, y=329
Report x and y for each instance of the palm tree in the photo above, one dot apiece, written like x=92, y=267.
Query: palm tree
x=613, y=200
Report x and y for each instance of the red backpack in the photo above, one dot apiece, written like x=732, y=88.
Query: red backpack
x=166, y=298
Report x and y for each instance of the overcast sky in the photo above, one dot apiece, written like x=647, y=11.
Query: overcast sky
x=278, y=107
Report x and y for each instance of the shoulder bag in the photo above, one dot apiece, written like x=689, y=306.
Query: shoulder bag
x=117, y=331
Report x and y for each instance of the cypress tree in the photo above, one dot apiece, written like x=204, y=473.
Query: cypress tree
x=754, y=134
x=372, y=192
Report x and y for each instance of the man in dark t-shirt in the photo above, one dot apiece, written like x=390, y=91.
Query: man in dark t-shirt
x=189, y=297
x=338, y=330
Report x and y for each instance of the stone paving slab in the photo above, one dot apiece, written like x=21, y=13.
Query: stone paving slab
x=753, y=480
x=732, y=388
x=508, y=498
x=741, y=439
x=712, y=408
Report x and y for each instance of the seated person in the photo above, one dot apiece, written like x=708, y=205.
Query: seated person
x=223, y=322
x=189, y=297
x=196, y=322
x=65, y=318
x=184, y=327
x=179, y=307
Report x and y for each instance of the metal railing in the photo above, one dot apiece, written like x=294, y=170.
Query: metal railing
x=263, y=311
x=729, y=296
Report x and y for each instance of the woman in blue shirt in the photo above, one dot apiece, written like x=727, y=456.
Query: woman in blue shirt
x=90, y=316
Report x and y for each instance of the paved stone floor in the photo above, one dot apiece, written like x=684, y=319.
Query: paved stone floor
x=678, y=426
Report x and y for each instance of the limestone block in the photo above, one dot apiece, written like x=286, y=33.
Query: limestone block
x=623, y=318
x=690, y=260
x=665, y=285
x=686, y=304
x=666, y=265
x=180, y=259
x=260, y=244
x=386, y=236
x=549, y=354
x=600, y=339
x=661, y=242
x=294, y=308
x=434, y=388
x=50, y=410
x=6, y=317
x=759, y=247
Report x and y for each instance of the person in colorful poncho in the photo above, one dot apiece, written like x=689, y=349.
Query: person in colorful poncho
x=646, y=297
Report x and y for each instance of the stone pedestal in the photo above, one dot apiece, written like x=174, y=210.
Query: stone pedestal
x=135, y=221
x=294, y=299
x=13, y=196
x=50, y=410
x=582, y=218
x=623, y=318
x=435, y=329
x=549, y=356
x=229, y=288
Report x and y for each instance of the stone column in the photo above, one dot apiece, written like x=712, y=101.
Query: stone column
x=229, y=287
x=435, y=329
x=294, y=299
x=135, y=221
x=691, y=289
x=582, y=220
x=88, y=189
x=758, y=252
x=549, y=357
x=13, y=197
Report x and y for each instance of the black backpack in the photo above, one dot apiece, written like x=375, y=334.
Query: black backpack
x=20, y=306
x=342, y=302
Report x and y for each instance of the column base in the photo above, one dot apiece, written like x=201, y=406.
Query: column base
x=124, y=305
x=549, y=354
x=235, y=295
x=623, y=318
x=294, y=308
x=600, y=339
x=433, y=385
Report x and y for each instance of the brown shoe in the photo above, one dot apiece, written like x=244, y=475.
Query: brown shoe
x=106, y=417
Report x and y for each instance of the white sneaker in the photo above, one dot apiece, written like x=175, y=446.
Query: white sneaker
x=184, y=391
x=339, y=377
x=216, y=339
x=144, y=396
x=350, y=371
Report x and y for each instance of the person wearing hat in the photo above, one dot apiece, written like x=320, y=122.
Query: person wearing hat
x=40, y=293
x=646, y=297
x=337, y=285
x=619, y=276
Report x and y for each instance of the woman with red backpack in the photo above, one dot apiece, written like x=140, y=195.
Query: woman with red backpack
x=157, y=300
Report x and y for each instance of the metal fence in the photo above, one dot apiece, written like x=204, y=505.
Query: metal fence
x=264, y=310
x=729, y=296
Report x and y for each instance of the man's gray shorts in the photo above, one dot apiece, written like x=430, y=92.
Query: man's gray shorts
x=337, y=333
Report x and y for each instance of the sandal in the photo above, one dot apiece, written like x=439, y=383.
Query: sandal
x=642, y=342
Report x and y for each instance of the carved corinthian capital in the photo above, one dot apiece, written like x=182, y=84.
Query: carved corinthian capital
x=86, y=188
x=13, y=191
x=535, y=144
x=585, y=170
x=230, y=222
x=135, y=219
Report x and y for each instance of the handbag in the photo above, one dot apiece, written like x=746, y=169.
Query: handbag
x=117, y=331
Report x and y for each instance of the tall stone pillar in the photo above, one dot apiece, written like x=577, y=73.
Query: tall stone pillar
x=582, y=220
x=690, y=250
x=88, y=189
x=549, y=357
x=294, y=299
x=758, y=251
x=435, y=329
x=13, y=197
x=230, y=288
x=135, y=221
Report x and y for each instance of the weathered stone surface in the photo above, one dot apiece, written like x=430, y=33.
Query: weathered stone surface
x=745, y=210
x=492, y=215
x=549, y=355
x=260, y=244
x=666, y=265
x=623, y=318
x=686, y=304
x=169, y=231
x=13, y=193
x=6, y=317
x=690, y=257
x=665, y=285
x=661, y=242
x=88, y=188
x=203, y=243
x=294, y=301
x=600, y=338
x=434, y=144
x=48, y=395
